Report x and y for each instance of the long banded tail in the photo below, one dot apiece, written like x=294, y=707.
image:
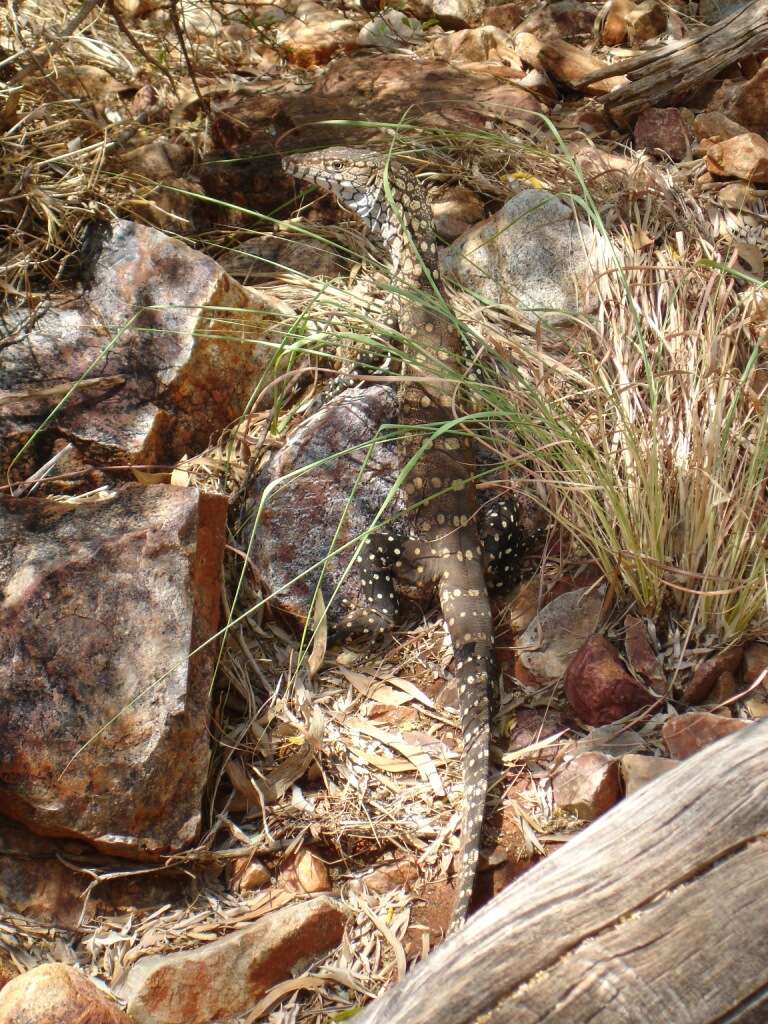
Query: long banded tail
x=464, y=602
x=474, y=671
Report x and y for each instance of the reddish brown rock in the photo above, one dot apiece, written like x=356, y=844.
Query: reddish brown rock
x=598, y=687
x=541, y=85
x=756, y=665
x=646, y=21
x=633, y=176
x=166, y=365
x=237, y=178
x=158, y=160
x=743, y=156
x=587, y=786
x=639, y=769
x=457, y=14
x=570, y=64
x=504, y=16
x=614, y=29
x=265, y=257
x=564, y=19
x=749, y=106
x=385, y=88
x=718, y=671
x=532, y=727
x=662, y=130
x=228, y=976
x=309, y=35
x=757, y=706
x=57, y=994
x=712, y=124
x=456, y=210
x=477, y=46
x=686, y=734
x=305, y=872
x=8, y=969
x=640, y=655
x=37, y=881
x=400, y=874
x=247, y=874
x=103, y=702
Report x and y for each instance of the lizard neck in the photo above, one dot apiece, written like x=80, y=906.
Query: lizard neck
x=406, y=229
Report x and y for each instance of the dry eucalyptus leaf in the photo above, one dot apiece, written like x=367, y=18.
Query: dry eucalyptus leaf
x=319, y=636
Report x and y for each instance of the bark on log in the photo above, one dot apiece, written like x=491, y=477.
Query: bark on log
x=656, y=914
x=675, y=70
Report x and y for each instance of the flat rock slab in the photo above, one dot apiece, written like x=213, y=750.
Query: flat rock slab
x=228, y=976
x=534, y=254
x=389, y=87
x=103, y=710
x=41, y=878
x=167, y=346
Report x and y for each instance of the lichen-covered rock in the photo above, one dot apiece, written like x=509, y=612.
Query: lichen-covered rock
x=532, y=253
x=557, y=632
x=325, y=496
x=166, y=344
x=103, y=691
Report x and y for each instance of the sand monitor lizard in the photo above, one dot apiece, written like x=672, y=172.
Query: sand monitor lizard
x=441, y=545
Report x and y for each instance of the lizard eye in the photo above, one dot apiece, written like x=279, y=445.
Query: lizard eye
x=336, y=165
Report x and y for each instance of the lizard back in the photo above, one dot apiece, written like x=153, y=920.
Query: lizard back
x=442, y=546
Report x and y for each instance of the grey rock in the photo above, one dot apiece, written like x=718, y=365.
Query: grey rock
x=532, y=253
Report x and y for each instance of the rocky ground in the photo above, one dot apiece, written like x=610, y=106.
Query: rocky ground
x=208, y=813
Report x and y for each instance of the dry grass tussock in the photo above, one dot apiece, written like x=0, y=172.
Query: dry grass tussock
x=640, y=426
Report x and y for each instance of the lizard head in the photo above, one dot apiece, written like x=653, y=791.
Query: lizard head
x=384, y=193
x=340, y=169
x=357, y=177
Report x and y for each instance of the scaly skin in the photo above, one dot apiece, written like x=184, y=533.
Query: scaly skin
x=442, y=545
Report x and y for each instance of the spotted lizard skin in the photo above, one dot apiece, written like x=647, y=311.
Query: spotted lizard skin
x=439, y=544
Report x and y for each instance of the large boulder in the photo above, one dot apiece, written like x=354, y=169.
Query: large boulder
x=158, y=354
x=533, y=254
x=105, y=669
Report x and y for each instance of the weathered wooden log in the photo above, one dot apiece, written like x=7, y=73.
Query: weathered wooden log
x=656, y=914
x=679, y=68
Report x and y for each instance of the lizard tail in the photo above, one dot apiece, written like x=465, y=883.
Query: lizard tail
x=475, y=670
